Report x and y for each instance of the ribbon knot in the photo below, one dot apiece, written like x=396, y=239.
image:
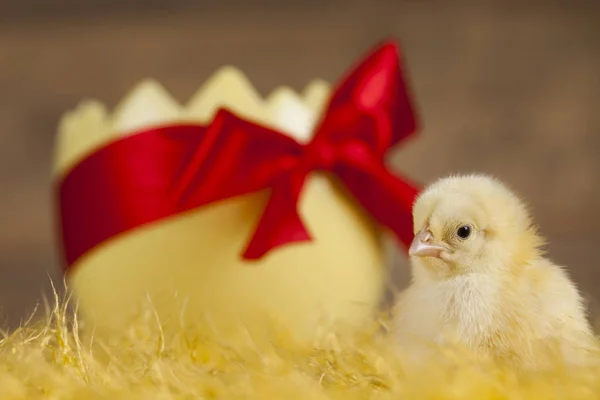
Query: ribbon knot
x=158, y=173
x=320, y=155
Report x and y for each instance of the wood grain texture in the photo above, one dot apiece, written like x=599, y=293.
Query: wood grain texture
x=505, y=87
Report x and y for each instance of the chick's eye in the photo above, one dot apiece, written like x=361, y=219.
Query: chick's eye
x=464, y=232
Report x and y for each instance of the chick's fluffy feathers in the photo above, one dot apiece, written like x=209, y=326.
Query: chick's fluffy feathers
x=497, y=294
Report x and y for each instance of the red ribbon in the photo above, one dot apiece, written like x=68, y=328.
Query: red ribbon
x=162, y=172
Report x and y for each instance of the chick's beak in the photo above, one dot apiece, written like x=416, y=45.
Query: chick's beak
x=423, y=245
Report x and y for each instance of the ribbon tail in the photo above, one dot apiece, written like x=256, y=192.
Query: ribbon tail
x=386, y=197
x=280, y=223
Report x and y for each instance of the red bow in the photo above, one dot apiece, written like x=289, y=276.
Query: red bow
x=161, y=172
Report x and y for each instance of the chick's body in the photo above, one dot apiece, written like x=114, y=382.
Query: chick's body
x=480, y=279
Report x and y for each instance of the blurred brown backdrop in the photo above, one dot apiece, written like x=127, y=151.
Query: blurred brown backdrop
x=506, y=87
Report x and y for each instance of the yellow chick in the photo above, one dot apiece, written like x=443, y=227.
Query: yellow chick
x=479, y=279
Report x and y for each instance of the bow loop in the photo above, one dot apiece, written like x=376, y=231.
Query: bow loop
x=372, y=103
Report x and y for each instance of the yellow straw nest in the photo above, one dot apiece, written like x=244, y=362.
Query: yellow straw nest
x=49, y=359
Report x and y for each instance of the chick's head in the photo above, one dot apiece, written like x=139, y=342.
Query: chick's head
x=470, y=223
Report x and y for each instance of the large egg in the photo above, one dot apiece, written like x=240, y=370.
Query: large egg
x=189, y=265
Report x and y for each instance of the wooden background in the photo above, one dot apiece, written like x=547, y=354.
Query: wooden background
x=506, y=87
